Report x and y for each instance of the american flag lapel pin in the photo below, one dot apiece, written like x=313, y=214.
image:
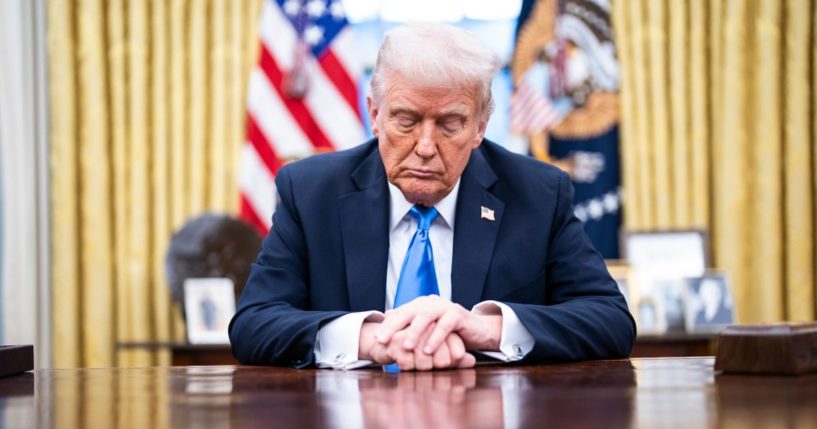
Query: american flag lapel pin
x=486, y=213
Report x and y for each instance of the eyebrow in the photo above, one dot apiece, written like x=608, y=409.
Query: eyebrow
x=455, y=112
x=397, y=110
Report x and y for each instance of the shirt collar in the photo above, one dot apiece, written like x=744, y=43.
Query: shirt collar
x=400, y=207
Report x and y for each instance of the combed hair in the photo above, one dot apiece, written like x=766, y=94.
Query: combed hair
x=438, y=55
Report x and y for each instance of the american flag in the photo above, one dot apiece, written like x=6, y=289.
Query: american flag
x=303, y=97
x=531, y=112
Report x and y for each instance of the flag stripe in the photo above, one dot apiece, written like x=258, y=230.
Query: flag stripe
x=257, y=184
x=337, y=74
x=297, y=108
x=248, y=214
x=274, y=120
x=262, y=146
x=346, y=48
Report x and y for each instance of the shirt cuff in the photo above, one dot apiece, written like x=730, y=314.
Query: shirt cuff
x=516, y=341
x=337, y=343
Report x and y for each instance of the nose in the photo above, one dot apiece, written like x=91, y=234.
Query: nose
x=426, y=145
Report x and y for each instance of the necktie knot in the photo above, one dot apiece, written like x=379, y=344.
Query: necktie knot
x=424, y=216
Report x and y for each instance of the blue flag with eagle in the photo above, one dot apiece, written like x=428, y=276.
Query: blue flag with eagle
x=565, y=104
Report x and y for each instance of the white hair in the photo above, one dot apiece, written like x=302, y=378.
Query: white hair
x=438, y=55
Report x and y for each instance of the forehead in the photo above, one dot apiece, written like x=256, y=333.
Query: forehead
x=405, y=94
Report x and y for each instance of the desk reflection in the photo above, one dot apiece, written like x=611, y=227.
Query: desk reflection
x=449, y=399
x=651, y=393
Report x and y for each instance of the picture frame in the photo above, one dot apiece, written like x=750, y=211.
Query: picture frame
x=650, y=317
x=668, y=254
x=709, y=303
x=671, y=294
x=209, y=304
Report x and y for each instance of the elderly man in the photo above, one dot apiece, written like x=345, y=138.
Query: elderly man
x=468, y=247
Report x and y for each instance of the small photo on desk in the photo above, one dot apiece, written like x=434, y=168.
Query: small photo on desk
x=709, y=303
x=209, y=304
x=650, y=317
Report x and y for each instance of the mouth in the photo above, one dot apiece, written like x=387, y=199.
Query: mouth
x=420, y=173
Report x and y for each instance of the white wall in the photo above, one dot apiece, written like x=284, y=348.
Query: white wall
x=24, y=169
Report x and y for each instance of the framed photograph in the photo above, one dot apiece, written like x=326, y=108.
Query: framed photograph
x=709, y=304
x=209, y=304
x=670, y=293
x=667, y=254
x=650, y=317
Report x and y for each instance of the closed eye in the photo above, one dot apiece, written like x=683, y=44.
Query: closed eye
x=452, y=125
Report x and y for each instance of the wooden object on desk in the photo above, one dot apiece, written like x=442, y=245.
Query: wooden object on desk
x=16, y=359
x=675, y=345
x=636, y=393
x=184, y=354
x=768, y=349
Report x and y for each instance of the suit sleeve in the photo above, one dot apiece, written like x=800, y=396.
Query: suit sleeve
x=272, y=325
x=585, y=316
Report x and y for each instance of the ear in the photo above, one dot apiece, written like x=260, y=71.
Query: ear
x=483, y=125
x=373, y=111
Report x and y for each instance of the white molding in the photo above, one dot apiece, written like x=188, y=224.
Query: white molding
x=26, y=230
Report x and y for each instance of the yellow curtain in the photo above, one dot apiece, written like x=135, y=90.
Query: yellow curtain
x=719, y=105
x=147, y=121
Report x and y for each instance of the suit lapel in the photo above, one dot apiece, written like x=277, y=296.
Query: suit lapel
x=364, y=228
x=474, y=236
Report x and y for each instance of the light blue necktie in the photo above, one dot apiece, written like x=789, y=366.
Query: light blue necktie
x=418, y=277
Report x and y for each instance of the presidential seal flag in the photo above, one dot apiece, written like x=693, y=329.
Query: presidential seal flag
x=565, y=68
x=302, y=97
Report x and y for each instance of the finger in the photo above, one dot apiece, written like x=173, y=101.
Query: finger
x=379, y=355
x=446, y=324
x=404, y=359
x=468, y=361
x=394, y=322
x=442, y=358
x=455, y=347
x=419, y=325
x=423, y=361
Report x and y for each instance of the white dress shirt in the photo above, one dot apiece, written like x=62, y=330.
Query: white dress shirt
x=337, y=343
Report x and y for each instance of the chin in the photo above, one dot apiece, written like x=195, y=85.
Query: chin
x=421, y=191
x=423, y=197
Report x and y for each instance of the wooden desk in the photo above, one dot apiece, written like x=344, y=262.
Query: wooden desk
x=648, y=393
x=667, y=345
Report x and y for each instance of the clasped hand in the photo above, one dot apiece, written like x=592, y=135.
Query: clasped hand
x=429, y=333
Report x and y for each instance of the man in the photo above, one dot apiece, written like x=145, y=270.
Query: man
x=476, y=247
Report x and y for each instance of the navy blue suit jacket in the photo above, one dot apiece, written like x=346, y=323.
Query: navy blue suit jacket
x=327, y=252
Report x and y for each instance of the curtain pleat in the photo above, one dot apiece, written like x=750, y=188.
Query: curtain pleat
x=642, y=125
x=63, y=76
x=199, y=39
x=814, y=135
x=679, y=164
x=658, y=109
x=119, y=141
x=798, y=149
x=147, y=124
x=767, y=190
x=96, y=241
x=160, y=178
x=718, y=132
x=220, y=68
x=699, y=113
x=139, y=207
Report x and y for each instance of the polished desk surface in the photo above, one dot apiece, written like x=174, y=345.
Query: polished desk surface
x=649, y=393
